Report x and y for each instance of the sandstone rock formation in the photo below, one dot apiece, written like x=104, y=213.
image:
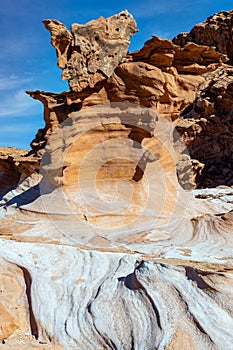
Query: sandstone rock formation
x=104, y=243
x=91, y=52
x=191, y=58
x=207, y=128
x=216, y=32
x=170, y=79
x=15, y=165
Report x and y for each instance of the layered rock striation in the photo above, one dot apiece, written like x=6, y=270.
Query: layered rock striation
x=170, y=77
x=104, y=242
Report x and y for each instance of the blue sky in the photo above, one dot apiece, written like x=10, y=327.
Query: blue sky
x=28, y=61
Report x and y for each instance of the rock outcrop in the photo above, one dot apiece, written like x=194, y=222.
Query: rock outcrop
x=15, y=165
x=191, y=58
x=104, y=242
x=8, y=324
x=207, y=128
x=206, y=124
x=169, y=77
x=215, y=32
x=91, y=52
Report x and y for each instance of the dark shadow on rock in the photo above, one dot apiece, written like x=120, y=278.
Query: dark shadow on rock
x=7, y=184
x=192, y=275
x=130, y=281
x=30, y=195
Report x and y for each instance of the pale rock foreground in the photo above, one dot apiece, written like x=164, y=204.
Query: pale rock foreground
x=100, y=246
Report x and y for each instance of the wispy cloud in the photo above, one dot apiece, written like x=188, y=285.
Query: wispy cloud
x=12, y=82
x=16, y=47
x=18, y=104
x=19, y=127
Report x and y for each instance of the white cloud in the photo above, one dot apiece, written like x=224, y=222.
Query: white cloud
x=12, y=82
x=18, y=104
x=17, y=128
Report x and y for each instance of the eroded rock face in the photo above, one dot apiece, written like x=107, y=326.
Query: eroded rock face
x=15, y=165
x=100, y=246
x=207, y=128
x=216, y=31
x=191, y=58
x=162, y=300
x=162, y=75
x=166, y=92
x=171, y=94
x=8, y=324
x=91, y=52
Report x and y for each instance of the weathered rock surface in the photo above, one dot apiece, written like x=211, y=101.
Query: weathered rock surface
x=207, y=128
x=191, y=58
x=91, y=52
x=170, y=90
x=8, y=324
x=122, y=269
x=216, y=32
x=100, y=246
x=15, y=164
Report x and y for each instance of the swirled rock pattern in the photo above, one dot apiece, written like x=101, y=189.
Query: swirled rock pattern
x=172, y=78
x=104, y=241
x=126, y=302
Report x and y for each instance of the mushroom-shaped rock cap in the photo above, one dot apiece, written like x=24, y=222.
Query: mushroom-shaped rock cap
x=92, y=51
